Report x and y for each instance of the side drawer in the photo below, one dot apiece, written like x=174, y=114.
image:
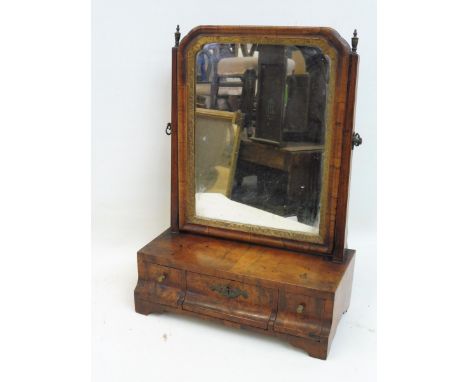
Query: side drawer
x=230, y=300
x=299, y=315
x=160, y=284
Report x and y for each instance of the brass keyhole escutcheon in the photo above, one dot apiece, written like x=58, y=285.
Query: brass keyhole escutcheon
x=161, y=278
x=227, y=291
x=300, y=308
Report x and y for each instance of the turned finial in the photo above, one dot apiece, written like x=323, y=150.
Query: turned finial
x=177, y=36
x=354, y=40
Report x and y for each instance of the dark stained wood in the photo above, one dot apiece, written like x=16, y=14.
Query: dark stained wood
x=342, y=207
x=181, y=165
x=317, y=67
x=266, y=286
x=174, y=148
x=279, y=158
x=272, y=65
x=297, y=108
x=301, y=163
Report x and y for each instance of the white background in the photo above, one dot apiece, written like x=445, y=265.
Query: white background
x=45, y=273
x=132, y=43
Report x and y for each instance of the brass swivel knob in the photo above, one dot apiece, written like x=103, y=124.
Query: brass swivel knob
x=300, y=308
x=161, y=278
x=356, y=141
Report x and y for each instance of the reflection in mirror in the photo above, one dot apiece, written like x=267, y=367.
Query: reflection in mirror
x=260, y=132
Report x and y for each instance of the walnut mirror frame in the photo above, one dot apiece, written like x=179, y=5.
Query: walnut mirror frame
x=330, y=240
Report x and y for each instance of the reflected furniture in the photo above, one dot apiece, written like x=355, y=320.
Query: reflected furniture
x=217, y=136
x=301, y=165
x=262, y=247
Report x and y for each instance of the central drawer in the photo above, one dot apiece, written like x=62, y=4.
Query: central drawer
x=230, y=300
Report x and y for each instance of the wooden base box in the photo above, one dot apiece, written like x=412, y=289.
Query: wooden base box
x=295, y=296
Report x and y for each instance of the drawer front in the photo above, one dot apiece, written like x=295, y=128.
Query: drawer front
x=161, y=284
x=230, y=300
x=299, y=315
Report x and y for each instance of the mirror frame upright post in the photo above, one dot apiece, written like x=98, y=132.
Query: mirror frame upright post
x=174, y=138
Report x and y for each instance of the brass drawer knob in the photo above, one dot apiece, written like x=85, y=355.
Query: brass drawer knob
x=300, y=308
x=161, y=278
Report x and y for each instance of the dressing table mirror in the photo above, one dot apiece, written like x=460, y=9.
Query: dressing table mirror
x=262, y=133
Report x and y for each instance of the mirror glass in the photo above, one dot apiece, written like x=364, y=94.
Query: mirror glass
x=260, y=132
